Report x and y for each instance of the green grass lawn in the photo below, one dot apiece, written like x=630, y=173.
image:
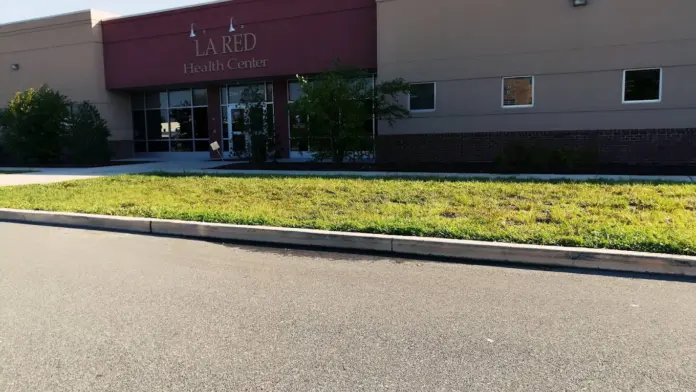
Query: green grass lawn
x=638, y=216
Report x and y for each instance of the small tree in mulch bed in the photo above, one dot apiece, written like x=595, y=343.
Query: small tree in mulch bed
x=259, y=127
x=336, y=105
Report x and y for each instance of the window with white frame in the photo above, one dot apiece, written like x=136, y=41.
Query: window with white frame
x=422, y=97
x=518, y=92
x=642, y=85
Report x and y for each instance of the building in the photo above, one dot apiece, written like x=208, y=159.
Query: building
x=607, y=77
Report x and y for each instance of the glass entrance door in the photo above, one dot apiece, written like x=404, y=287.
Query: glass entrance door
x=235, y=131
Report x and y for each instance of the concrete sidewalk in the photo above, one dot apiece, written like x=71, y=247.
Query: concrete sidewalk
x=45, y=176
x=51, y=175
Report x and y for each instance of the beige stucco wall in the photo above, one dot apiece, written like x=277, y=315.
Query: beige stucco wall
x=576, y=54
x=65, y=52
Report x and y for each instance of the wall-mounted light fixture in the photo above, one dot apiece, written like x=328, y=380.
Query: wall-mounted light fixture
x=232, y=29
x=193, y=33
x=579, y=3
x=15, y=67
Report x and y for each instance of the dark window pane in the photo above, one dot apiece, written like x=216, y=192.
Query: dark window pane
x=180, y=123
x=642, y=85
x=182, y=145
x=238, y=124
x=200, y=123
x=139, y=125
x=157, y=124
x=299, y=140
x=138, y=101
x=239, y=142
x=270, y=117
x=156, y=100
x=200, y=97
x=158, y=146
x=180, y=98
x=140, y=147
x=223, y=117
x=234, y=93
x=299, y=144
x=202, y=145
x=294, y=91
x=225, y=145
x=422, y=96
x=223, y=95
x=269, y=92
x=256, y=119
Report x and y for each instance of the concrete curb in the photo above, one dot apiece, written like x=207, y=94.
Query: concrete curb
x=399, y=245
x=116, y=223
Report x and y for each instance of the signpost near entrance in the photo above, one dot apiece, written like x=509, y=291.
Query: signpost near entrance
x=216, y=147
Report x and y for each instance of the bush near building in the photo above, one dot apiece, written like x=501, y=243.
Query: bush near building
x=43, y=127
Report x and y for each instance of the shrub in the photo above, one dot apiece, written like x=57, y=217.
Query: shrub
x=86, y=136
x=38, y=128
x=34, y=125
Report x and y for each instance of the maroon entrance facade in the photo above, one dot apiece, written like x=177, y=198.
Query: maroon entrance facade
x=208, y=47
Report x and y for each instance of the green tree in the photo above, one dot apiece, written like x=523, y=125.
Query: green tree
x=259, y=127
x=336, y=106
x=34, y=126
x=87, y=136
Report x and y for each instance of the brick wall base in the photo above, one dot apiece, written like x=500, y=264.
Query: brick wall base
x=653, y=147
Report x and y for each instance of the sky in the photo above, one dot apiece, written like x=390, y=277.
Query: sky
x=16, y=10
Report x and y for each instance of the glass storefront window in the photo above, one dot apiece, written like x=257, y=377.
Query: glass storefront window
x=181, y=123
x=174, y=121
x=156, y=100
x=139, y=125
x=138, y=101
x=223, y=95
x=201, y=145
x=294, y=91
x=180, y=99
x=200, y=123
x=234, y=94
x=200, y=97
x=269, y=92
x=155, y=146
x=157, y=124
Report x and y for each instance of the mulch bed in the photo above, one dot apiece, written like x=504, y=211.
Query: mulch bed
x=458, y=168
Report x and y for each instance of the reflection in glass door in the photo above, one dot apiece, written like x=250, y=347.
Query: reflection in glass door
x=235, y=121
x=235, y=131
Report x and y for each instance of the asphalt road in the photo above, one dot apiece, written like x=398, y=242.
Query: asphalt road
x=96, y=311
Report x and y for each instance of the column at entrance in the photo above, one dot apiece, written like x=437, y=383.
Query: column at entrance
x=214, y=119
x=280, y=100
